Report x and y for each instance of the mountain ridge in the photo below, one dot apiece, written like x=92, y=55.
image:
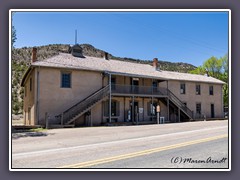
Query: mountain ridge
x=21, y=60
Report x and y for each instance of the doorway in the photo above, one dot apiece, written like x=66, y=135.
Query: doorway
x=134, y=111
x=212, y=111
x=135, y=84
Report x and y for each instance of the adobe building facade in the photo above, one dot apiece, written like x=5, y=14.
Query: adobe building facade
x=68, y=89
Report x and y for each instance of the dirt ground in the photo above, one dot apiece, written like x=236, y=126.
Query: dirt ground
x=18, y=122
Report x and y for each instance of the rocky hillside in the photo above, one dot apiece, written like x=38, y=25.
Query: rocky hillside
x=21, y=58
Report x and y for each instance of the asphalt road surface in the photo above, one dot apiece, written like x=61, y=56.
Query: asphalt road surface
x=179, y=145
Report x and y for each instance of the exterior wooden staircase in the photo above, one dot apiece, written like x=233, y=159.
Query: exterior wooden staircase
x=174, y=99
x=77, y=110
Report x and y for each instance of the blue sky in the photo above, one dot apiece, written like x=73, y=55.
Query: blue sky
x=190, y=37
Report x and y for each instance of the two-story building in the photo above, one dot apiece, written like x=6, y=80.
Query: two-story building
x=71, y=88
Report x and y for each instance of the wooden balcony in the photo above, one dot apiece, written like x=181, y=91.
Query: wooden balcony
x=142, y=91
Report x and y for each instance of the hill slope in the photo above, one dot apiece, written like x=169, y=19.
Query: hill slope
x=21, y=58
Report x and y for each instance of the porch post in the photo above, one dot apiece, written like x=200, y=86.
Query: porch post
x=178, y=114
x=91, y=124
x=143, y=108
x=124, y=108
x=110, y=98
x=168, y=104
x=62, y=119
x=222, y=104
x=133, y=112
x=168, y=110
x=152, y=109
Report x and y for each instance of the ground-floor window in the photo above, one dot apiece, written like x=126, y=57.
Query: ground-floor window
x=114, y=108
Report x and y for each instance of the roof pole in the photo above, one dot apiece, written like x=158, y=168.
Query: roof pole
x=168, y=114
x=178, y=114
x=75, y=36
x=110, y=98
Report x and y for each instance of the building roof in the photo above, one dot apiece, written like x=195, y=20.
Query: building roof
x=64, y=60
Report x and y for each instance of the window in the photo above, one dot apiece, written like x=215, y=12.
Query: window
x=113, y=83
x=66, y=80
x=114, y=108
x=198, y=108
x=30, y=86
x=155, y=85
x=210, y=90
x=198, y=89
x=182, y=88
x=185, y=103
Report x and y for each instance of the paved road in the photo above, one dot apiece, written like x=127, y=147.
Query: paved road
x=195, y=144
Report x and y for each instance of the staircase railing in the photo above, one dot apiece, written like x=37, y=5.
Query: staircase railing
x=180, y=104
x=84, y=105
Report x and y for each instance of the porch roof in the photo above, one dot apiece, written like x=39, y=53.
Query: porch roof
x=64, y=60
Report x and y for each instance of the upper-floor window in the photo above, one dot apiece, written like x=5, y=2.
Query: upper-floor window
x=198, y=89
x=155, y=85
x=182, y=88
x=210, y=90
x=113, y=83
x=66, y=80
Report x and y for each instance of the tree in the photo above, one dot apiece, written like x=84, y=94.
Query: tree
x=13, y=34
x=213, y=66
x=199, y=70
x=217, y=68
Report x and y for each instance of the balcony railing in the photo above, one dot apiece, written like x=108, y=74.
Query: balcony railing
x=140, y=90
x=150, y=90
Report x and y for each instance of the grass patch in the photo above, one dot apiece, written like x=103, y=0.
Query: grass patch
x=37, y=130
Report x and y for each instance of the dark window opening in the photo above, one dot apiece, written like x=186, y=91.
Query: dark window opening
x=198, y=89
x=113, y=83
x=198, y=108
x=182, y=89
x=210, y=90
x=155, y=85
x=66, y=80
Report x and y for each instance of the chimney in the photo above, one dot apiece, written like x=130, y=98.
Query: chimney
x=207, y=74
x=34, y=54
x=105, y=56
x=155, y=64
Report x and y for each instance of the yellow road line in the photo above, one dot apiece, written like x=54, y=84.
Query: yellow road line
x=141, y=153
